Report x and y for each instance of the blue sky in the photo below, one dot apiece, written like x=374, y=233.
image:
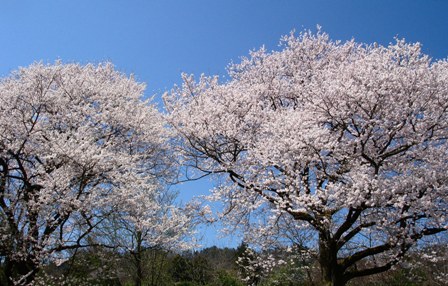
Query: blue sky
x=157, y=40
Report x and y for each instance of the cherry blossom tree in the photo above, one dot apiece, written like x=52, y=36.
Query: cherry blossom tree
x=77, y=144
x=343, y=139
x=151, y=221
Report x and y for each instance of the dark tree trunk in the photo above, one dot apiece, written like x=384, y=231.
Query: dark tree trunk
x=8, y=271
x=23, y=270
x=138, y=260
x=139, y=276
x=332, y=273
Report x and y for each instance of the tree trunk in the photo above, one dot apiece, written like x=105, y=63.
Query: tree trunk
x=138, y=257
x=24, y=271
x=139, y=278
x=332, y=274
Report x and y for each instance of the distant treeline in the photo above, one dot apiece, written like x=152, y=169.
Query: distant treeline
x=214, y=266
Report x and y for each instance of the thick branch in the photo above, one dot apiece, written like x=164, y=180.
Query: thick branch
x=369, y=271
x=351, y=218
x=349, y=261
x=354, y=232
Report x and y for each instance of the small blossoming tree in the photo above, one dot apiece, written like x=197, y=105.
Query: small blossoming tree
x=77, y=144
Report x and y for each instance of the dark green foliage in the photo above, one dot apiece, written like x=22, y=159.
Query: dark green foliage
x=213, y=267
x=181, y=269
x=202, y=270
x=288, y=275
x=226, y=278
x=186, y=283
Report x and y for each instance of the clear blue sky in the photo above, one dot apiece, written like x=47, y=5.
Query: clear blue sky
x=157, y=40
